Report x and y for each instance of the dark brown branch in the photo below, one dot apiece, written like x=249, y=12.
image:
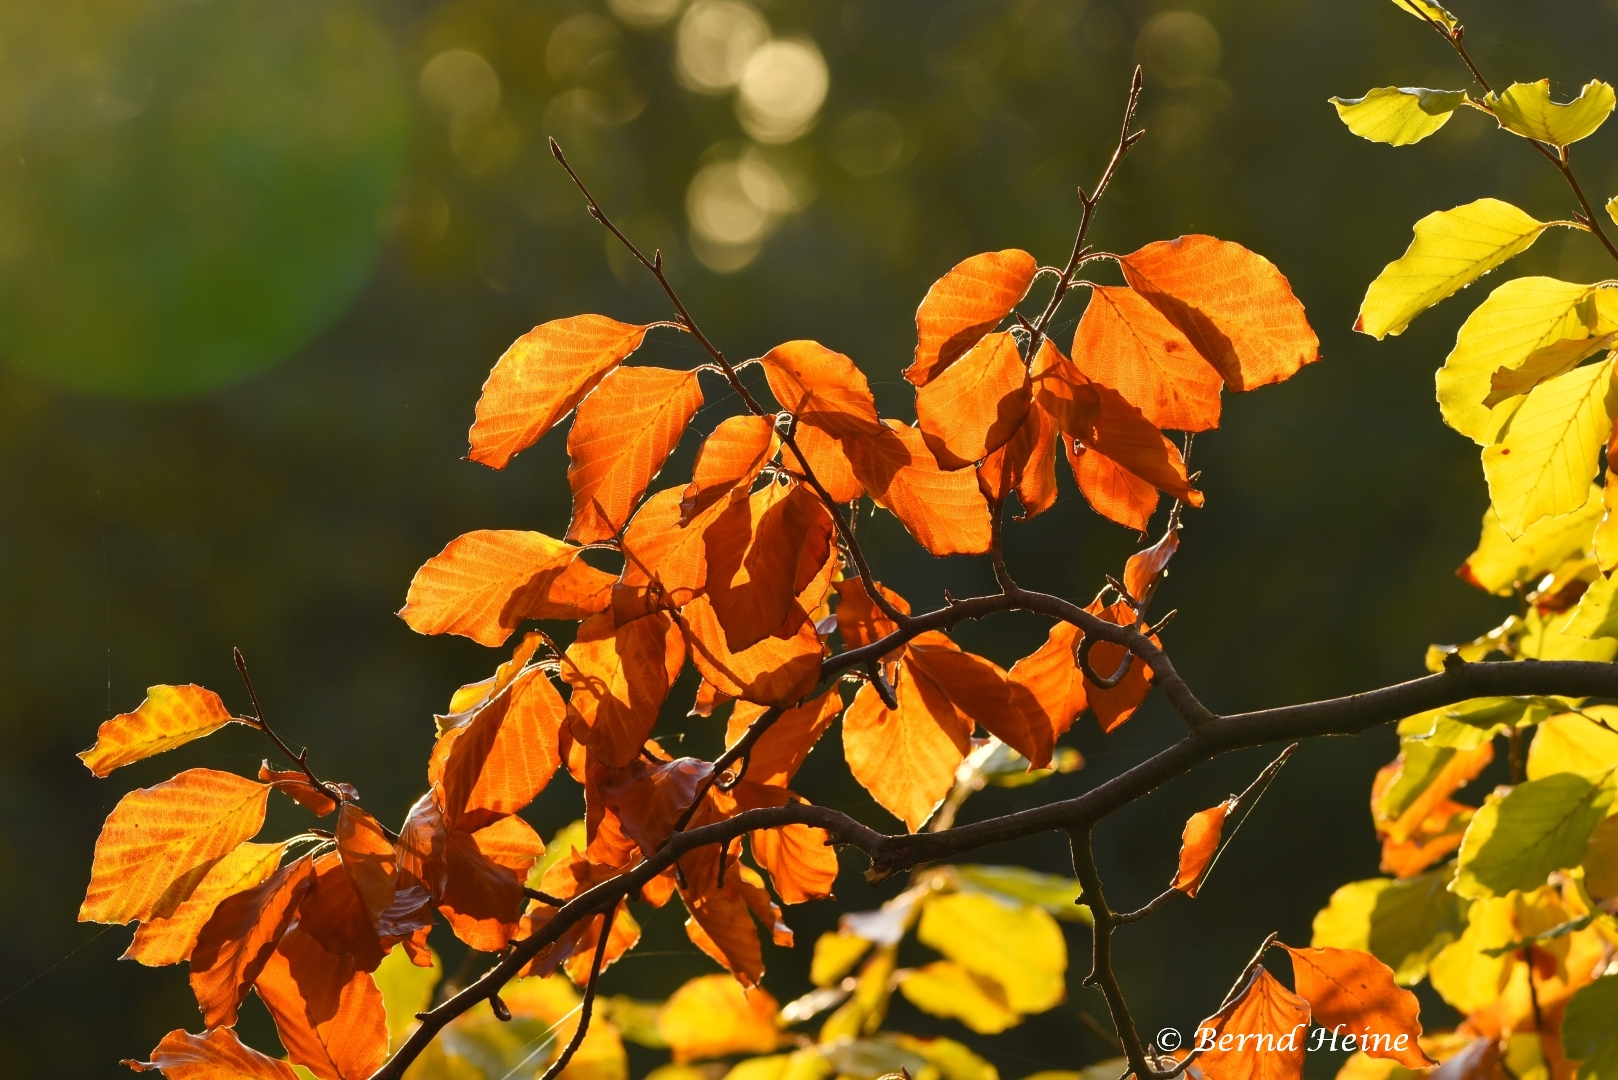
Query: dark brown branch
x=301, y=758
x=1101, y=973
x=604, y=936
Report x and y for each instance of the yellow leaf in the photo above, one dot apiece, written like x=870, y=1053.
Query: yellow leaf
x=1596, y=616
x=406, y=990
x=1397, y=115
x=836, y=953
x=1500, y=563
x=1020, y=947
x=1517, y=320
x=1526, y=109
x=168, y=941
x=711, y=1016
x=1462, y=973
x=1601, y=861
x=1518, y=840
x=945, y=988
x=805, y=1064
x=1451, y=249
x=1426, y=9
x=1544, y=637
x=1549, y=453
x=1571, y=743
x=170, y=716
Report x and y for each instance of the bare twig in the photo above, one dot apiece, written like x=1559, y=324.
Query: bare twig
x=301, y=758
x=1101, y=973
x=583, y=1029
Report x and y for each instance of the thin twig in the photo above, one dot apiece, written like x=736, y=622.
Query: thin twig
x=577, y=1041
x=1101, y=973
x=301, y=758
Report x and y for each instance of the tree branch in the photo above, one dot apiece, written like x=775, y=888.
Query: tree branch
x=585, y=1006
x=1101, y=973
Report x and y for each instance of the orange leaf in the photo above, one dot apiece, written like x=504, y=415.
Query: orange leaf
x=541, y=378
x=624, y=432
x=1112, y=490
x=1353, y=989
x=1463, y=766
x=1113, y=706
x=1102, y=420
x=964, y=305
x=333, y=914
x=779, y=752
x=721, y=925
x=977, y=404
x=485, y=583
x=653, y=532
x=822, y=388
x=620, y=676
x=624, y=935
x=160, y=842
x=711, y=1016
x=1125, y=343
x=648, y=799
x=1439, y=835
x=170, y=716
x=756, y=551
x=505, y=754
x=234, y=944
x=168, y=941
x=826, y=458
x=423, y=845
x=944, y=511
x=510, y=842
x=860, y=621
x=1234, y=306
x=368, y=859
x=1143, y=569
x=776, y=671
x=1026, y=464
x=294, y=784
x=328, y=1013
x=213, y=1055
x=1051, y=676
x=482, y=899
x=750, y=887
x=799, y=859
x=905, y=757
x=1198, y=845
x=708, y=699
x=729, y=458
x=982, y=694
x=1259, y=1036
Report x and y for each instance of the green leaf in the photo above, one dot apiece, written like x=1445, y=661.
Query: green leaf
x=945, y=988
x=406, y=990
x=1543, y=639
x=1500, y=564
x=1517, y=320
x=1472, y=723
x=1526, y=109
x=1397, y=115
x=1426, y=9
x=1451, y=249
x=1403, y=922
x=1018, y=946
x=1424, y=760
x=1576, y=744
x=1518, y=841
x=1057, y=895
x=635, y=1020
x=1590, y=1029
x=1550, y=451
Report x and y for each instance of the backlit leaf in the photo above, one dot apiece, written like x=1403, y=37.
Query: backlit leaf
x=905, y=757
x=1398, y=115
x=945, y=988
x=975, y=406
x=505, y=754
x=1198, y=845
x=982, y=693
x=1517, y=841
x=1111, y=490
x=1590, y=1029
x=1557, y=358
x=1057, y=895
x=213, y=1055
x=1500, y=563
x=859, y=620
x=1601, y=861
x=168, y=941
x=800, y=860
x=711, y=1017
x=239, y=937
x=964, y=305
x=485, y=583
x=776, y=671
x=1026, y=465
x=1354, y=989
x=1114, y=705
x=294, y=784
x=1551, y=450
x=160, y=842
x=624, y=432
x=1526, y=109
x=1052, y=678
x=1259, y=1036
x=328, y=1013
x=170, y=716
x=368, y=859
x=727, y=459
x=822, y=388
x=482, y=899
x=1426, y=9
x=1122, y=341
x=620, y=676
x=1576, y=744
x=541, y=378
x=776, y=756
x=1402, y=923
x=1451, y=249
x=1232, y=304
x=1018, y=946
x=407, y=989
x=758, y=551
x=944, y=511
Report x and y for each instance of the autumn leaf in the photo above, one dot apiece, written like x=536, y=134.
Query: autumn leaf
x=505, y=754
x=620, y=676
x=1111, y=490
x=168, y=941
x=1116, y=704
x=1026, y=465
x=623, y=433
x=776, y=671
x=859, y=620
x=541, y=378
x=800, y=860
x=721, y=925
x=822, y=388
x=294, y=783
x=482, y=900
x=1526, y=109
x=1052, y=678
x=944, y=511
x=945, y=988
x=649, y=798
x=964, y=305
x=485, y=583
x=982, y=694
x=1354, y=989
x=757, y=551
x=170, y=716
x=328, y=1013
x=1019, y=946
x=368, y=859
x=1398, y=116
x=905, y=757
x=1145, y=568
x=977, y=404
x=1122, y=341
x=1233, y=305
x=160, y=842
x=1259, y=1036
x=711, y=1016
x=729, y=458
x=1198, y=845
x=777, y=755
x=214, y=1055
x=1550, y=453
x=237, y=940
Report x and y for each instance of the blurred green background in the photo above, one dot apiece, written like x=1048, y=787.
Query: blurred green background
x=256, y=258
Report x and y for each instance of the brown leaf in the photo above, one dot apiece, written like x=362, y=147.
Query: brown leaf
x=170, y=716
x=822, y=388
x=620, y=676
x=1354, y=989
x=238, y=939
x=485, y=583
x=781, y=750
x=334, y=914
x=722, y=926
x=213, y=1055
x=964, y=305
x=647, y=799
x=977, y=404
x=423, y=845
x=328, y=1013
x=1115, y=705
x=944, y=511
x=1199, y=843
x=294, y=784
x=1125, y=343
x=859, y=620
x=624, y=432
x=729, y=458
x=541, y=378
x=482, y=899
x=1259, y=1036
x=756, y=550
x=160, y=842
x=510, y=842
x=1233, y=305
x=1144, y=568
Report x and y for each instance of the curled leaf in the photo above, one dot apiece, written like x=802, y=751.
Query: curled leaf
x=170, y=716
